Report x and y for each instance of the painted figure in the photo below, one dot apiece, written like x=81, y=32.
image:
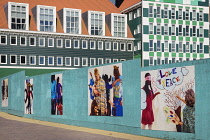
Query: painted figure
x=59, y=97
x=29, y=96
x=147, y=114
x=53, y=95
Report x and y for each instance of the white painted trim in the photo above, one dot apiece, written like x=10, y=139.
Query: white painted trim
x=25, y=60
x=28, y=67
x=11, y=59
x=131, y=7
x=39, y=60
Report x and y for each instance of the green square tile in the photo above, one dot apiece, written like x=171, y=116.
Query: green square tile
x=201, y=55
x=151, y=19
x=201, y=39
x=151, y=53
x=158, y=4
x=159, y=54
x=187, y=38
x=159, y=37
x=194, y=23
x=166, y=21
x=173, y=37
x=194, y=8
x=201, y=23
x=173, y=21
x=166, y=37
x=166, y=54
x=165, y=5
x=187, y=7
x=180, y=38
x=173, y=54
x=194, y=38
x=173, y=6
x=180, y=6
x=151, y=36
x=158, y=20
x=188, y=55
x=151, y=4
x=187, y=22
x=180, y=21
x=195, y=55
x=200, y=8
x=180, y=54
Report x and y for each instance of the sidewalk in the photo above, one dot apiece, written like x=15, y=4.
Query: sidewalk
x=18, y=128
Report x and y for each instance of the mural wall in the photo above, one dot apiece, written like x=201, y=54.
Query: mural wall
x=105, y=91
x=5, y=93
x=28, y=101
x=168, y=98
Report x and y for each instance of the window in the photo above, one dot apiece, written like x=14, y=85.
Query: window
x=60, y=43
x=68, y=61
x=32, y=41
x=32, y=60
x=200, y=15
x=166, y=46
x=84, y=44
x=84, y=61
x=194, y=15
x=3, y=59
x=139, y=28
x=129, y=46
x=158, y=46
x=41, y=60
x=139, y=45
x=194, y=30
x=13, y=59
x=60, y=61
x=150, y=28
x=115, y=60
x=50, y=60
x=151, y=61
x=187, y=47
x=108, y=45
x=18, y=17
x=41, y=42
x=158, y=29
x=173, y=29
x=173, y=60
x=165, y=12
x=138, y=12
x=180, y=59
x=50, y=42
x=115, y=46
x=187, y=31
x=92, y=45
x=22, y=59
x=187, y=59
x=130, y=16
x=158, y=61
x=46, y=18
x=201, y=47
x=194, y=47
x=151, y=48
x=122, y=46
x=92, y=61
x=187, y=14
x=158, y=12
x=13, y=40
x=119, y=22
x=76, y=44
x=201, y=31
x=72, y=21
x=135, y=15
x=23, y=41
x=76, y=61
x=96, y=24
x=173, y=13
x=100, y=61
x=108, y=60
x=180, y=47
x=67, y=43
x=180, y=29
x=100, y=45
x=166, y=60
x=135, y=32
x=166, y=29
x=173, y=46
x=150, y=11
x=180, y=14
x=122, y=59
x=3, y=39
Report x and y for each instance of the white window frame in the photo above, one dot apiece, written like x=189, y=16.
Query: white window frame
x=66, y=61
x=138, y=12
x=151, y=28
x=10, y=13
x=135, y=15
x=78, y=44
x=187, y=50
x=11, y=40
x=201, y=31
x=61, y=42
x=201, y=15
x=34, y=57
x=112, y=24
x=166, y=60
x=158, y=12
x=158, y=29
x=194, y=15
x=166, y=46
x=11, y=59
x=194, y=33
x=180, y=14
x=49, y=42
x=102, y=47
x=139, y=29
x=40, y=61
x=130, y=46
x=78, y=61
x=94, y=60
x=39, y=42
x=180, y=31
x=160, y=46
x=94, y=47
x=114, y=45
x=159, y=59
x=48, y=60
x=139, y=45
x=121, y=47
x=173, y=13
x=21, y=41
x=86, y=42
x=187, y=33
x=130, y=16
x=5, y=40
x=173, y=29
x=151, y=45
x=173, y=46
x=85, y=58
x=165, y=29
x=201, y=47
x=108, y=60
x=25, y=59
x=38, y=16
x=180, y=47
x=107, y=45
x=194, y=47
x=102, y=60
x=65, y=10
x=5, y=58
x=187, y=14
x=173, y=58
x=151, y=11
x=115, y=60
x=61, y=60
x=30, y=41
x=69, y=43
x=151, y=61
x=166, y=12
x=122, y=59
x=103, y=21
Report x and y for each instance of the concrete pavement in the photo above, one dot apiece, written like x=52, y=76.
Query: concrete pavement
x=18, y=128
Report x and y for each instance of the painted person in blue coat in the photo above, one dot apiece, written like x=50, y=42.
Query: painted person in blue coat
x=53, y=95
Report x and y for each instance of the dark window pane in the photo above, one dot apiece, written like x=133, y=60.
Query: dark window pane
x=3, y=59
x=22, y=60
x=13, y=59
